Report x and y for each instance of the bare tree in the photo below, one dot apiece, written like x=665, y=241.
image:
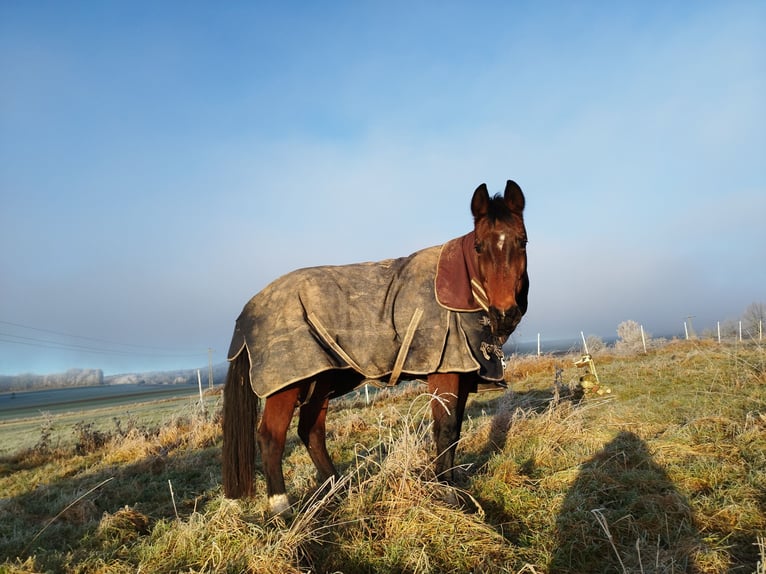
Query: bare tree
x=753, y=319
x=595, y=344
x=629, y=337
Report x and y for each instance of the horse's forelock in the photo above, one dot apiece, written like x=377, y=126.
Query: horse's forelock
x=499, y=210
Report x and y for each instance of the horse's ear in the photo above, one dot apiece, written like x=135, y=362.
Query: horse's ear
x=514, y=198
x=480, y=202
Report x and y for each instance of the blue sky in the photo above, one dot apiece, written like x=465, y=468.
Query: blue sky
x=162, y=162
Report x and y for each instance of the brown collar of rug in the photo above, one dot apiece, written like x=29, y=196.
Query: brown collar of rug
x=457, y=283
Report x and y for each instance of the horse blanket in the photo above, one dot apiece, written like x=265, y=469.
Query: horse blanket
x=410, y=316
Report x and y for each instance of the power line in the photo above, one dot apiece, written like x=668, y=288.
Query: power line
x=47, y=344
x=67, y=346
x=62, y=334
x=41, y=343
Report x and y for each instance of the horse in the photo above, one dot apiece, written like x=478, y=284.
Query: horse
x=442, y=313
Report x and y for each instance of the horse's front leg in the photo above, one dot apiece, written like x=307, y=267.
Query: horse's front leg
x=450, y=394
x=272, y=434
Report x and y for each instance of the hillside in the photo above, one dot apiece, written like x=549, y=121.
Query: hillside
x=666, y=473
x=70, y=378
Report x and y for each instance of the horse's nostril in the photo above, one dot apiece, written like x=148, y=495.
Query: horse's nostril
x=503, y=322
x=501, y=314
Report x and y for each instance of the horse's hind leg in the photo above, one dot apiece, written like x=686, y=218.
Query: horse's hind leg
x=272, y=433
x=311, y=430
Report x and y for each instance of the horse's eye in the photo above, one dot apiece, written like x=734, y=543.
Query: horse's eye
x=477, y=247
x=522, y=244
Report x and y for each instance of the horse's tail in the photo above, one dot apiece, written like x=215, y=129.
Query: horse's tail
x=240, y=420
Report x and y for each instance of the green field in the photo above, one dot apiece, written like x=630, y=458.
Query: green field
x=666, y=473
x=24, y=433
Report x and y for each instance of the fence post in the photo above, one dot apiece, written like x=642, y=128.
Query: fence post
x=643, y=339
x=201, y=399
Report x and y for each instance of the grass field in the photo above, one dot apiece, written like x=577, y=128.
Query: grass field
x=667, y=473
x=25, y=433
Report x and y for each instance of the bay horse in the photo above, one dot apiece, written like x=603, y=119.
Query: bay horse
x=442, y=313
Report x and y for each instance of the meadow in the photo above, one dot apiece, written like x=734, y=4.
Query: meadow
x=664, y=473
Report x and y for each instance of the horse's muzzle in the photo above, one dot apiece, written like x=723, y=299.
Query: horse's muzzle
x=503, y=323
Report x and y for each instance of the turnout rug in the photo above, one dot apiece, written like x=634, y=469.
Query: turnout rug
x=405, y=317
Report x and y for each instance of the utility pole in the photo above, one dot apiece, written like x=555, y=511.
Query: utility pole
x=210, y=367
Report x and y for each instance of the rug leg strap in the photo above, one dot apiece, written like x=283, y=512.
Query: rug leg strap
x=400, y=356
x=405, y=348
x=333, y=344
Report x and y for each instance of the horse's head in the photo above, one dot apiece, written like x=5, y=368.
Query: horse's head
x=501, y=251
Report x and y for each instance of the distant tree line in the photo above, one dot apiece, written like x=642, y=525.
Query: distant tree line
x=92, y=377
x=71, y=378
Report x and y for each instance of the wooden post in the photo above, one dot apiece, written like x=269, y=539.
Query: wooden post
x=199, y=384
x=538, y=344
x=643, y=338
x=686, y=331
x=740, y=331
x=719, y=332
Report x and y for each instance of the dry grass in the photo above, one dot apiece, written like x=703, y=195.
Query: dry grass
x=666, y=474
x=396, y=517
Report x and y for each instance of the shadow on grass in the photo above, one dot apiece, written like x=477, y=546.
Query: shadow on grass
x=623, y=514
x=504, y=406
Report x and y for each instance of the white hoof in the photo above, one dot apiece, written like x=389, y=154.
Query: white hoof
x=278, y=504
